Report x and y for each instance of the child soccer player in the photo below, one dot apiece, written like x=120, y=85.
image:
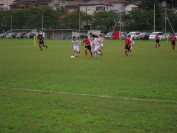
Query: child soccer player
x=131, y=45
x=75, y=46
x=97, y=43
x=90, y=38
x=102, y=40
x=173, y=39
x=87, y=46
x=157, y=39
x=41, y=41
x=127, y=45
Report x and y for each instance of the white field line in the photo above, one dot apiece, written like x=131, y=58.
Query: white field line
x=105, y=96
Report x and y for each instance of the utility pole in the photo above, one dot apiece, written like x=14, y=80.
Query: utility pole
x=42, y=23
x=154, y=17
x=11, y=24
x=79, y=21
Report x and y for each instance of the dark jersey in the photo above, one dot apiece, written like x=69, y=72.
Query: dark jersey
x=87, y=42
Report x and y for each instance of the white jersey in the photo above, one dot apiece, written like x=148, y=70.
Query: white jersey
x=76, y=43
x=91, y=40
x=97, y=42
x=132, y=42
x=101, y=39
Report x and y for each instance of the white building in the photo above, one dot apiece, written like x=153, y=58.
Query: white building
x=94, y=5
x=130, y=7
x=5, y=4
x=118, y=6
x=57, y=4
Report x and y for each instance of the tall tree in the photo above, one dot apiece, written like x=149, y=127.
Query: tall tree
x=103, y=21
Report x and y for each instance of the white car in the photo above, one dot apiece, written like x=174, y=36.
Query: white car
x=134, y=34
x=166, y=35
x=153, y=34
x=176, y=35
x=109, y=35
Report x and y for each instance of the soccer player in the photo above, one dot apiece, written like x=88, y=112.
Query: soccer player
x=102, y=40
x=127, y=45
x=97, y=43
x=90, y=38
x=131, y=45
x=173, y=39
x=87, y=46
x=41, y=40
x=75, y=46
x=157, y=39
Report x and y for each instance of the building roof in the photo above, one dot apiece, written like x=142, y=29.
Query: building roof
x=32, y=0
x=74, y=3
x=95, y=2
x=116, y=1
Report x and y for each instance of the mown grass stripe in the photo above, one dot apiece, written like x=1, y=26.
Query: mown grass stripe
x=68, y=93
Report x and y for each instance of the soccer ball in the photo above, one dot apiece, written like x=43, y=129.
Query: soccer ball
x=72, y=57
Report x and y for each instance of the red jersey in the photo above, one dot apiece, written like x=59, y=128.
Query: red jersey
x=157, y=38
x=128, y=41
x=86, y=42
x=173, y=39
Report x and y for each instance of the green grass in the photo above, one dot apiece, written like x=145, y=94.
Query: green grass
x=112, y=94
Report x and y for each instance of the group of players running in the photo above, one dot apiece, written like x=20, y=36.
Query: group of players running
x=129, y=43
x=93, y=44
x=172, y=40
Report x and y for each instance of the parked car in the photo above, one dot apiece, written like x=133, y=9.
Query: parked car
x=20, y=34
x=153, y=34
x=109, y=35
x=175, y=35
x=134, y=34
x=166, y=35
x=32, y=35
x=82, y=35
x=122, y=35
x=3, y=35
x=11, y=35
x=144, y=36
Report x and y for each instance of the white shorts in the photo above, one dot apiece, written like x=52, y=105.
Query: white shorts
x=91, y=43
x=76, y=48
x=102, y=44
x=96, y=48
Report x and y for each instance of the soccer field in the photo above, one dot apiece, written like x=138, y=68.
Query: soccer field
x=46, y=91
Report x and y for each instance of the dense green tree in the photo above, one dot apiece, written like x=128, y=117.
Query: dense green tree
x=71, y=21
x=5, y=21
x=103, y=21
x=138, y=20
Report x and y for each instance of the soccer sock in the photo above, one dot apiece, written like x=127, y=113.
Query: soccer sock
x=40, y=47
x=91, y=52
x=173, y=47
x=86, y=52
x=95, y=55
x=126, y=53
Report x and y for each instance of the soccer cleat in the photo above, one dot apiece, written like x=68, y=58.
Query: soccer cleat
x=91, y=55
x=86, y=55
x=46, y=46
x=101, y=54
x=76, y=56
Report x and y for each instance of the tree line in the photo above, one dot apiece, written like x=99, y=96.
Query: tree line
x=141, y=19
